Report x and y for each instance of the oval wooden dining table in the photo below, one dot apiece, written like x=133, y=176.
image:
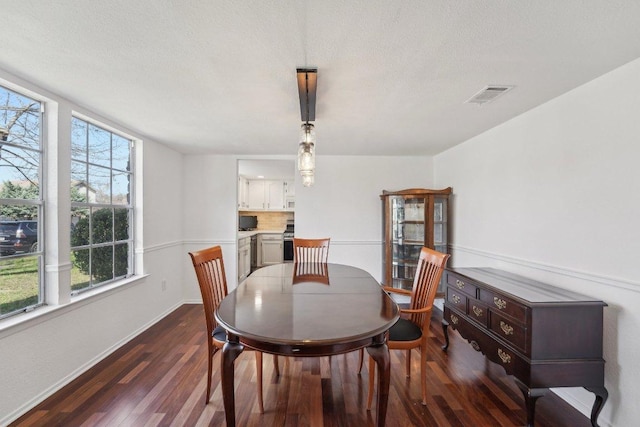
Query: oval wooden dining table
x=307, y=310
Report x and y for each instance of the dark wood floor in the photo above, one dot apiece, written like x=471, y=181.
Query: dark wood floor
x=159, y=379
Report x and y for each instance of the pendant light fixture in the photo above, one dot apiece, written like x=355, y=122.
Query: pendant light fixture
x=307, y=78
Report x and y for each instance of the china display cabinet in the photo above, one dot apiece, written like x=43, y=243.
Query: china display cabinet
x=413, y=218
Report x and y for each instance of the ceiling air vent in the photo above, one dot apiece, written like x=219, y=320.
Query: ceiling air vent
x=488, y=94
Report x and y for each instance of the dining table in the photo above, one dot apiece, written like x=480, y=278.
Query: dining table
x=307, y=310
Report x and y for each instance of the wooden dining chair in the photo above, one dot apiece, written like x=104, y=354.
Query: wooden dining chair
x=412, y=329
x=209, y=268
x=310, y=250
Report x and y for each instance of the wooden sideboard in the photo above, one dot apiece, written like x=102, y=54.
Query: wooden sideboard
x=542, y=335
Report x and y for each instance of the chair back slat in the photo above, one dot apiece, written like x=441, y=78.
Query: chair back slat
x=209, y=268
x=310, y=250
x=431, y=264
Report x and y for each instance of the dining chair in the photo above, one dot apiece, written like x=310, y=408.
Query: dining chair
x=209, y=268
x=310, y=250
x=412, y=329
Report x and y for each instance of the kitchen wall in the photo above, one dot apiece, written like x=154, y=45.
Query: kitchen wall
x=271, y=220
x=553, y=195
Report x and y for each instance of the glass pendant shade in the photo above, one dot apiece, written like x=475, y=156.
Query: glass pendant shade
x=306, y=157
x=307, y=154
x=307, y=178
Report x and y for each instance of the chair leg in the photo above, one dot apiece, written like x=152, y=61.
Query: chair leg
x=372, y=378
x=212, y=351
x=361, y=355
x=259, y=379
x=408, y=363
x=423, y=373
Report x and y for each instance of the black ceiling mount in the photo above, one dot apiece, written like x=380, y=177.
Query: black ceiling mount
x=307, y=79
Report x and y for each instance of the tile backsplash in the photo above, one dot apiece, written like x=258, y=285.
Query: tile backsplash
x=271, y=220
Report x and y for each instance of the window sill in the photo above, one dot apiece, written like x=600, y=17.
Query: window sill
x=20, y=322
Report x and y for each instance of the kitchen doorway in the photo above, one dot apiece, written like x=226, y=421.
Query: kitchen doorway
x=266, y=212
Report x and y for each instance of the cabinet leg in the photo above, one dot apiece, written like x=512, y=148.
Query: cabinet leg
x=445, y=331
x=531, y=395
x=601, y=397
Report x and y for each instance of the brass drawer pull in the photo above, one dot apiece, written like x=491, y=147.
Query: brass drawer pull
x=477, y=311
x=456, y=299
x=500, y=303
x=504, y=356
x=454, y=319
x=506, y=328
x=460, y=284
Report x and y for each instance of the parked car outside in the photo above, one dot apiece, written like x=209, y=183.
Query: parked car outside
x=18, y=237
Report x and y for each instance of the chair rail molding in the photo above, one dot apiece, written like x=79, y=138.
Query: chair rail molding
x=572, y=273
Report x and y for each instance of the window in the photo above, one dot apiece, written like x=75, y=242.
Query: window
x=20, y=203
x=101, y=206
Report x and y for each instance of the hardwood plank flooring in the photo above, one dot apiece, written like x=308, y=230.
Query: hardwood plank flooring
x=159, y=379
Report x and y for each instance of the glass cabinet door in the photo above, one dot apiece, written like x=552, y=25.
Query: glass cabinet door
x=407, y=238
x=440, y=224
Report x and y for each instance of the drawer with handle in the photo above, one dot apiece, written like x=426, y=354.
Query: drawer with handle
x=457, y=299
x=509, y=330
x=462, y=285
x=500, y=303
x=478, y=312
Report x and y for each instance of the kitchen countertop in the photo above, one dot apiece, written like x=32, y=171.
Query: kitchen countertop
x=243, y=234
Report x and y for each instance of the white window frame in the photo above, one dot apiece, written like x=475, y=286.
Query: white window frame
x=130, y=207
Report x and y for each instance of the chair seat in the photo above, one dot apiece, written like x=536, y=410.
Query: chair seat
x=219, y=334
x=404, y=330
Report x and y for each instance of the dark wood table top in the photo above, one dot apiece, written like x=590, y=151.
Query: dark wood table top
x=298, y=307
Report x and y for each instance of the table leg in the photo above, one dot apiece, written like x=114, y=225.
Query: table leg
x=601, y=397
x=230, y=352
x=380, y=353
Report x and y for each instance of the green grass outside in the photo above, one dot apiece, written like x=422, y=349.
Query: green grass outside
x=19, y=282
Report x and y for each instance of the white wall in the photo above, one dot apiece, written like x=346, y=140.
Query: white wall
x=554, y=194
x=41, y=355
x=343, y=204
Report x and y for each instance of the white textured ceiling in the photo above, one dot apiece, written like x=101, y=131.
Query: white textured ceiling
x=210, y=76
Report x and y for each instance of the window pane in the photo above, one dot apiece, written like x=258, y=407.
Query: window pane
x=121, y=264
x=78, y=139
x=121, y=224
x=19, y=170
x=19, y=120
x=79, y=227
x=121, y=153
x=99, y=146
x=19, y=283
x=102, y=226
x=99, y=184
x=102, y=264
x=80, y=262
x=79, y=184
x=121, y=188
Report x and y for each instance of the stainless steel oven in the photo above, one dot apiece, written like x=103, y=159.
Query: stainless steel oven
x=287, y=255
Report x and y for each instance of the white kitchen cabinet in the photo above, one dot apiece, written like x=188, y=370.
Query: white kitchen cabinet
x=274, y=195
x=289, y=195
x=266, y=195
x=243, y=193
x=244, y=258
x=270, y=246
